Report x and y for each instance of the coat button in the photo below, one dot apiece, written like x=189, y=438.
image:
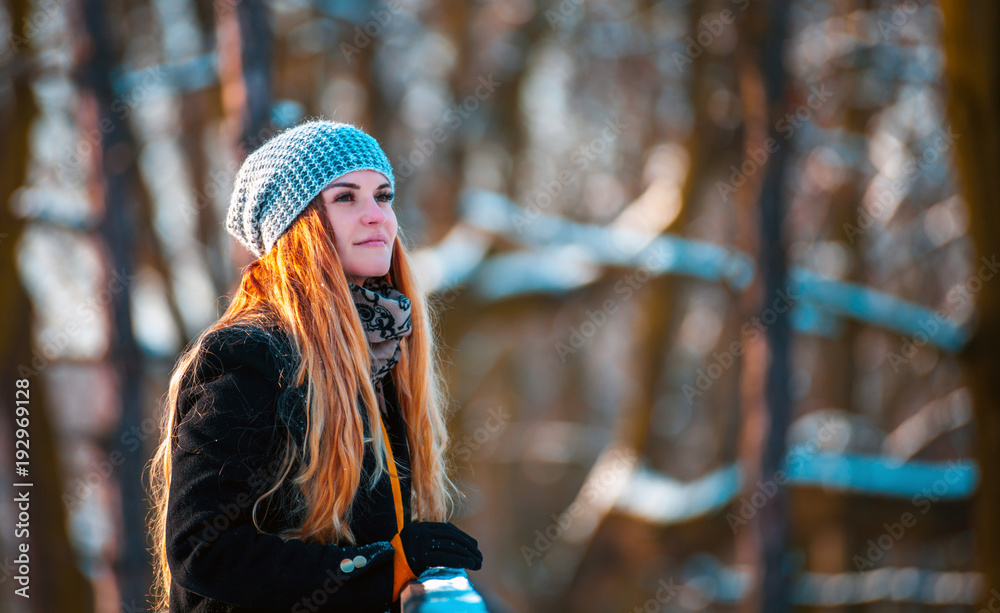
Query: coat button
x=359, y=561
x=346, y=565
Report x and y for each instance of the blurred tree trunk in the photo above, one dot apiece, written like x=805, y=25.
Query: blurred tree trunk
x=115, y=165
x=773, y=520
x=244, y=43
x=614, y=556
x=255, y=55
x=199, y=110
x=245, y=71
x=57, y=584
x=972, y=52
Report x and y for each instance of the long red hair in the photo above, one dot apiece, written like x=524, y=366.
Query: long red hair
x=300, y=285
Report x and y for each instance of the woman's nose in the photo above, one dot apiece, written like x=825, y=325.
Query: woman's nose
x=373, y=212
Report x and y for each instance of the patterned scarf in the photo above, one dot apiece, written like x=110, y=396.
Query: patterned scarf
x=385, y=315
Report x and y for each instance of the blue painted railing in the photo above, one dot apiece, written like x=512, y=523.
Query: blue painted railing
x=563, y=255
x=442, y=590
x=660, y=499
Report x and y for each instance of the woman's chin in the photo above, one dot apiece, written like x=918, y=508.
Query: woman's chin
x=375, y=270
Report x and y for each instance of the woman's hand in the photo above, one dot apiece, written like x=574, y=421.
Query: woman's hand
x=431, y=543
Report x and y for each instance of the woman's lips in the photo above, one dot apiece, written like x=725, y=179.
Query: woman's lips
x=374, y=243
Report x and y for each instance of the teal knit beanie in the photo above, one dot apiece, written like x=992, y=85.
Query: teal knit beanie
x=277, y=181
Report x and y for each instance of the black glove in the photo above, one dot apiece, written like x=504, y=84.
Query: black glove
x=431, y=543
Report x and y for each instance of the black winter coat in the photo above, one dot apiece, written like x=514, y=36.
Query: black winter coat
x=233, y=411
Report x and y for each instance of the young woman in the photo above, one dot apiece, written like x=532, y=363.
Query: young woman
x=301, y=462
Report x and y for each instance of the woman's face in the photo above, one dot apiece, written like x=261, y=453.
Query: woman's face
x=359, y=207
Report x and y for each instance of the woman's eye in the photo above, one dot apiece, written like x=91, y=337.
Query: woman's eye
x=345, y=197
x=384, y=197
